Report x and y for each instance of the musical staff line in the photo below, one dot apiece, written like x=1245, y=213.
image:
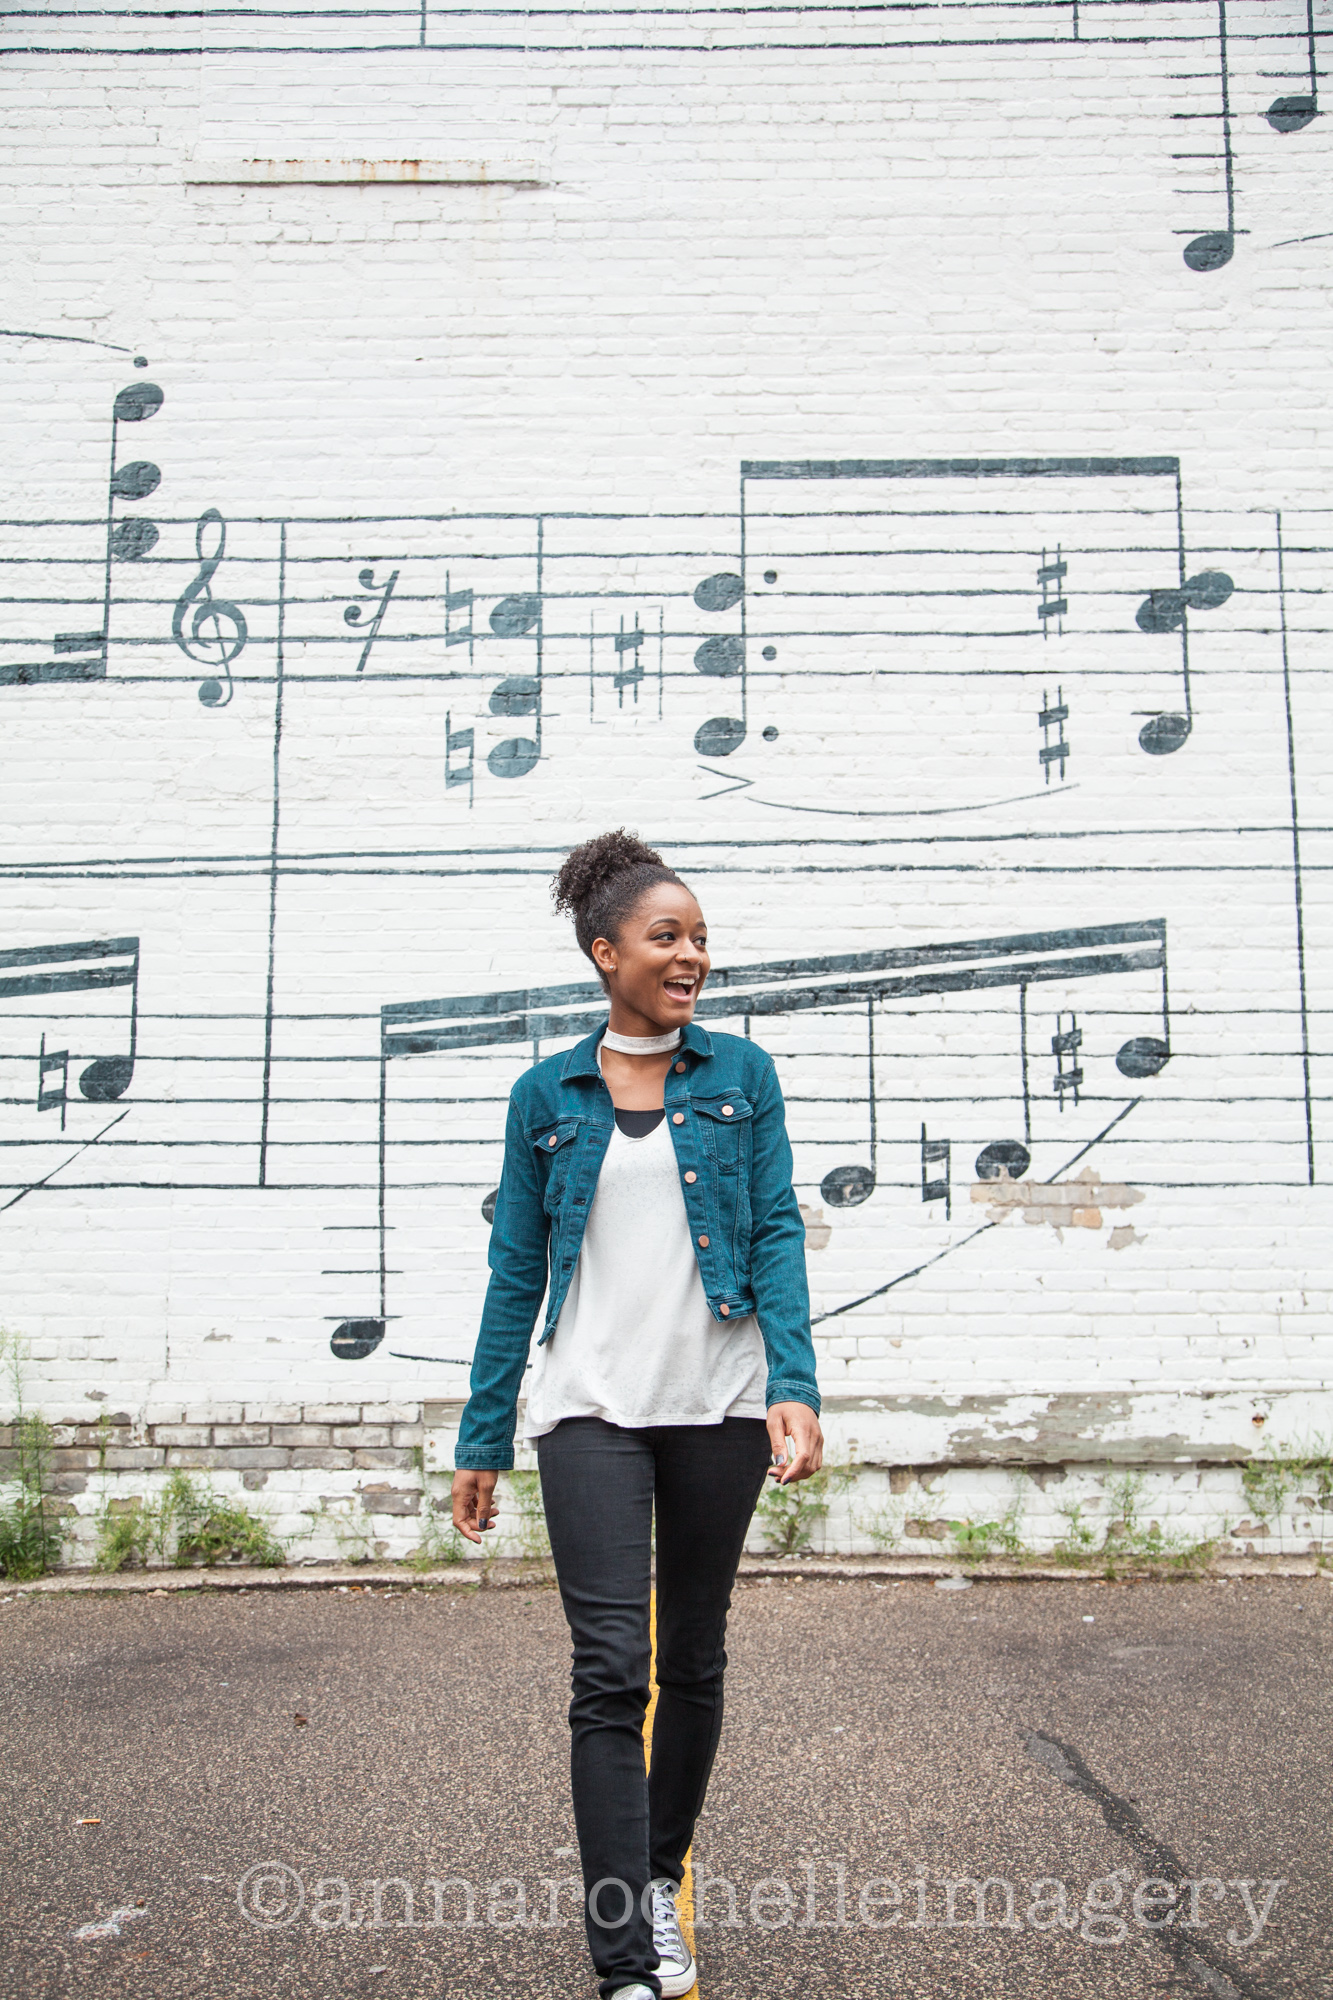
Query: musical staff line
x=836, y=569
x=273, y=870
x=419, y=19
x=1297, y=886
x=530, y=1017
x=514, y=612
x=857, y=27
x=903, y=1277
x=46, y=1179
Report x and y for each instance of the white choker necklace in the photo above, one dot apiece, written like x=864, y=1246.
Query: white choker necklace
x=641, y=1045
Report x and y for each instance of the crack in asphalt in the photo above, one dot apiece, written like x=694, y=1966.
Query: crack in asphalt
x=1208, y=1963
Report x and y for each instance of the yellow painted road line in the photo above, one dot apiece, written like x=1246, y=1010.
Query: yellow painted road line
x=685, y=1901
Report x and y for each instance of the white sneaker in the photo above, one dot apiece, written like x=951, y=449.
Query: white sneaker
x=633, y=1993
x=676, y=1971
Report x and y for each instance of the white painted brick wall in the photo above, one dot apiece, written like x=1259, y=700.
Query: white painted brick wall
x=950, y=235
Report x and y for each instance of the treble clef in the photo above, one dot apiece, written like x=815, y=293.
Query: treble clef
x=217, y=630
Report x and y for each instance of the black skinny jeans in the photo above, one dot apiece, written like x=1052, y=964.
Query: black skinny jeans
x=599, y=1485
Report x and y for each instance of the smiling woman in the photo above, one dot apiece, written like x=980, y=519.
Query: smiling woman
x=647, y=1193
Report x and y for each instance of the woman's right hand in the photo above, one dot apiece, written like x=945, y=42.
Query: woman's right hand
x=473, y=1496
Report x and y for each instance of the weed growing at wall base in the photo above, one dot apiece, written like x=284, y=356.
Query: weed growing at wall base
x=441, y=1544
x=789, y=1515
x=1125, y=1542
x=187, y=1525
x=30, y=1535
x=1269, y=1478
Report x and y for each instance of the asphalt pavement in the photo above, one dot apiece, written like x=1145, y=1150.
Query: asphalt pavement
x=1002, y=1790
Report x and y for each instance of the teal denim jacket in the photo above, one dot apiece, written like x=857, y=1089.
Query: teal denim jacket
x=725, y=1115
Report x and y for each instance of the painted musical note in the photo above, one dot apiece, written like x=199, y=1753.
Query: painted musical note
x=721, y=657
x=530, y=1016
x=1054, y=604
x=135, y=404
x=53, y=1097
x=457, y=600
x=353, y=613
x=630, y=676
x=91, y=666
x=936, y=1187
x=719, y=736
x=458, y=740
x=520, y=694
x=1216, y=247
x=813, y=590
x=357, y=1338
x=631, y=646
x=128, y=540
x=1003, y=1159
x=848, y=1187
x=515, y=616
x=131, y=539
x=1293, y=114
x=136, y=480
x=100, y=964
x=720, y=592
x=1145, y=1055
x=217, y=629
x=1053, y=716
x=1066, y=1042
x=792, y=986
x=1166, y=611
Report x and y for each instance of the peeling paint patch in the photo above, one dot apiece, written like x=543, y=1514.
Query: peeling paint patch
x=386, y=1499
x=817, y=1232
x=1075, y=1204
x=1123, y=1235
x=930, y=1531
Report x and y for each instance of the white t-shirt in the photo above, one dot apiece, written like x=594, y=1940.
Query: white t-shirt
x=635, y=1343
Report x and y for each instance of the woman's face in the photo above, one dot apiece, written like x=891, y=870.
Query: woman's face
x=656, y=968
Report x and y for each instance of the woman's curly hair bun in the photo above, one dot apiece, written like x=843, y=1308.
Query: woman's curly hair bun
x=603, y=879
x=590, y=867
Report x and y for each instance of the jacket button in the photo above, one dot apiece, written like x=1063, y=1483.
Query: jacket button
x=725, y=1311
x=678, y=1117
x=551, y=1140
x=703, y=1242
x=726, y=1111
x=691, y=1176
x=679, y=1068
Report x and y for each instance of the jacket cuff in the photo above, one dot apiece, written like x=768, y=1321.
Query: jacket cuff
x=793, y=1391
x=499, y=1458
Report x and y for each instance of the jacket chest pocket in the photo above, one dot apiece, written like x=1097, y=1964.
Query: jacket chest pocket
x=553, y=1148
x=725, y=1129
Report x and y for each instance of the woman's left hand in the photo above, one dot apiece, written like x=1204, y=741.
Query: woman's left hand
x=798, y=1422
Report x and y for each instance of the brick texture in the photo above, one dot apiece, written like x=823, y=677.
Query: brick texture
x=999, y=760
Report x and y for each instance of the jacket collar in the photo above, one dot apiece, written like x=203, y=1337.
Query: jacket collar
x=582, y=1058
